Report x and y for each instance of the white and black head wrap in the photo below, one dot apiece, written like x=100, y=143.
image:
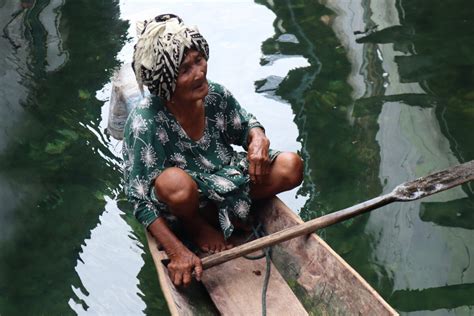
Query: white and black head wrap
x=160, y=49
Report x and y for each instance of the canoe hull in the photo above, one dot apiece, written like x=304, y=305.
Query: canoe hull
x=321, y=279
x=323, y=282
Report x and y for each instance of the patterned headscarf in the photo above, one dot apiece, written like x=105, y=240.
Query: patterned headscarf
x=160, y=49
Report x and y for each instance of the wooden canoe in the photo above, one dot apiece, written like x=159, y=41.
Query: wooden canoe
x=307, y=277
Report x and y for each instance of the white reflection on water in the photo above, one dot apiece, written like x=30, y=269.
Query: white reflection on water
x=50, y=17
x=416, y=254
x=109, y=264
x=13, y=68
x=235, y=31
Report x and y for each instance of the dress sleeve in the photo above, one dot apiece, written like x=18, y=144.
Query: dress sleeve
x=239, y=122
x=144, y=160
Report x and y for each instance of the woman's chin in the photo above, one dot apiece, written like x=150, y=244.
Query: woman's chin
x=195, y=94
x=201, y=91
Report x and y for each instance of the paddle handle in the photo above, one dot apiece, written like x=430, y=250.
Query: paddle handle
x=408, y=191
x=296, y=231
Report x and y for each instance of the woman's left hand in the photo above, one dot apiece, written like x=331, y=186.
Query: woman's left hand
x=257, y=154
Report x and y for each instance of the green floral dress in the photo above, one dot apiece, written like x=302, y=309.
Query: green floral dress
x=154, y=141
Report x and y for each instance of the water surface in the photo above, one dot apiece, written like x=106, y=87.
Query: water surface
x=390, y=100
x=370, y=93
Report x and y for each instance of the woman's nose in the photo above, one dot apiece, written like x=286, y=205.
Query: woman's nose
x=199, y=73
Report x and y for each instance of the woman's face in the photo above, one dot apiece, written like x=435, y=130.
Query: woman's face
x=191, y=84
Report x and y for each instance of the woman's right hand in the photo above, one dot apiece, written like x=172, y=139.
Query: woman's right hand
x=182, y=264
x=182, y=261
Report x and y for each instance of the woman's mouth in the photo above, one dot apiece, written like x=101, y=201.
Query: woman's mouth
x=200, y=85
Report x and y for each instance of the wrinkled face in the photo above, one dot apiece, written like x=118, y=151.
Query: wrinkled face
x=191, y=84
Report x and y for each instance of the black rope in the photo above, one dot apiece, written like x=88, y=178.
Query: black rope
x=267, y=253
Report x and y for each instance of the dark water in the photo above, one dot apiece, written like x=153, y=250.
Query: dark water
x=385, y=106
x=370, y=110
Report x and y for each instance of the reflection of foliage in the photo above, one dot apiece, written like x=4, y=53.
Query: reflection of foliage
x=340, y=151
x=323, y=107
x=455, y=213
x=447, y=297
x=460, y=109
x=443, y=62
x=58, y=155
x=338, y=133
x=84, y=94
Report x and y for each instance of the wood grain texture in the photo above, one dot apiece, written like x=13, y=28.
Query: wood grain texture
x=435, y=183
x=236, y=286
x=322, y=280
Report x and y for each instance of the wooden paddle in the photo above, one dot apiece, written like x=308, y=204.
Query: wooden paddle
x=408, y=191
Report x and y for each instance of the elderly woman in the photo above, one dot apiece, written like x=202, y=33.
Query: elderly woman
x=179, y=162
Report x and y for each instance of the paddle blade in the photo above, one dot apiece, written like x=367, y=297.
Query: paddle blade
x=434, y=183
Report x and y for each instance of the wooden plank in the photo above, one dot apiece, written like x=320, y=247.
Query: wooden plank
x=322, y=280
x=236, y=287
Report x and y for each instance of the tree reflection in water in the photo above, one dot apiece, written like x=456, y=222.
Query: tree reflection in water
x=53, y=179
x=387, y=98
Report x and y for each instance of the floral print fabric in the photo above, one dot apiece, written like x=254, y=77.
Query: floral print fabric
x=154, y=141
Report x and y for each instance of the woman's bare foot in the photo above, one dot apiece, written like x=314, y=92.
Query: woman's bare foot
x=206, y=237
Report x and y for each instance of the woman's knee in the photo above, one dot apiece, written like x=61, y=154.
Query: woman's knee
x=291, y=169
x=176, y=188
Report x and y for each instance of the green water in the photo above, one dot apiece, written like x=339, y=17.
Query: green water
x=367, y=111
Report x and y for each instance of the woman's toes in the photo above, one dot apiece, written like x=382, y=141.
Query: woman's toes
x=212, y=249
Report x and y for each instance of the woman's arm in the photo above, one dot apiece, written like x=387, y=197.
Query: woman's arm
x=244, y=129
x=183, y=261
x=144, y=161
x=257, y=155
